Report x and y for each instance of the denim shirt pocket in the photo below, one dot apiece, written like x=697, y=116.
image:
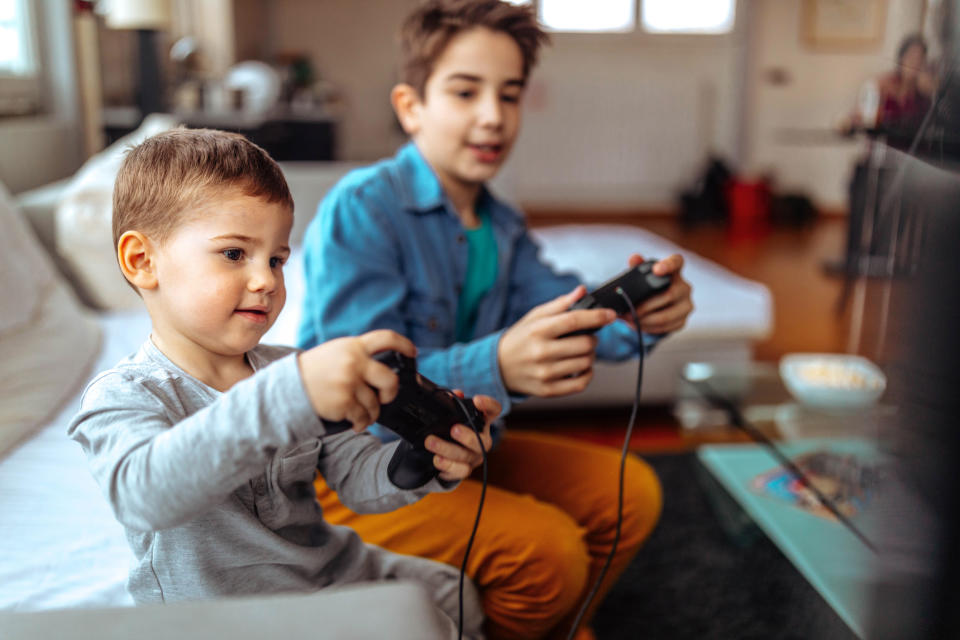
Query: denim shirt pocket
x=429, y=321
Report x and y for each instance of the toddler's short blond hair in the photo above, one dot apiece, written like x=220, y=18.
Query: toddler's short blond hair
x=172, y=173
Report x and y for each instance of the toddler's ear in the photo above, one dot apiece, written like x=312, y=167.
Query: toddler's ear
x=135, y=255
x=406, y=104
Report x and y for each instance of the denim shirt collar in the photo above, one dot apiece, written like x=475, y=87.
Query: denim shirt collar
x=421, y=188
x=422, y=192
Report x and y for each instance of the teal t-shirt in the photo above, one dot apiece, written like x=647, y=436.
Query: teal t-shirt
x=480, y=277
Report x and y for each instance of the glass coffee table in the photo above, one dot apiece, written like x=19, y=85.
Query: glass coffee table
x=756, y=390
x=833, y=559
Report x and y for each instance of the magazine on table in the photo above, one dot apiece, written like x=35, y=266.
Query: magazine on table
x=845, y=479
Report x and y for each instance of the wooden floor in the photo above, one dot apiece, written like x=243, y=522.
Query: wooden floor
x=805, y=298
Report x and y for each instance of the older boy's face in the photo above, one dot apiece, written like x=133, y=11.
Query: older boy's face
x=469, y=116
x=220, y=275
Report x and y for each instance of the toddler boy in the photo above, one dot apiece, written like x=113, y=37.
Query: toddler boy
x=205, y=442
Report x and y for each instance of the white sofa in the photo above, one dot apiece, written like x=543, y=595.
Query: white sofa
x=62, y=546
x=398, y=610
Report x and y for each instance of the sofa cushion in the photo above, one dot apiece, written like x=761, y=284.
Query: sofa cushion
x=47, y=340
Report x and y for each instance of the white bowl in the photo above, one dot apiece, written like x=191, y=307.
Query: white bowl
x=832, y=381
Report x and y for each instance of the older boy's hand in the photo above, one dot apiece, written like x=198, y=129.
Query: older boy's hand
x=533, y=361
x=667, y=311
x=457, y=461
x=343, y=382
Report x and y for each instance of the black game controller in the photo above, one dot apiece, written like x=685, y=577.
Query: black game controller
x=420, y=409
x=638, y=283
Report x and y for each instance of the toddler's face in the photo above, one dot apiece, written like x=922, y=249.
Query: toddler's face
x=470, y=113
x=220, y=275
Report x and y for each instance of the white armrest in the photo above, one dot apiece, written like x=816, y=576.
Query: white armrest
x=399, y=610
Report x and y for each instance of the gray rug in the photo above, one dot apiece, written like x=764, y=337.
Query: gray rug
x=693, y=579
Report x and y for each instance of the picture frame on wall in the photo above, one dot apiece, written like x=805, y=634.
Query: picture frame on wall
x=843, y=24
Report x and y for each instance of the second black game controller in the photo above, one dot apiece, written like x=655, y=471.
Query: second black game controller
x=421, y=408
x=638, y=283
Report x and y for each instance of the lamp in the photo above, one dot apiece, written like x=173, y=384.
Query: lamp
x=147, y=17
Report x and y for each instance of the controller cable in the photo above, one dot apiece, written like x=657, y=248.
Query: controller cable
x=623, y=463
x=476, y=521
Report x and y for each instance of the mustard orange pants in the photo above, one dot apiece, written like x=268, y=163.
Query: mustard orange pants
x=547, y=527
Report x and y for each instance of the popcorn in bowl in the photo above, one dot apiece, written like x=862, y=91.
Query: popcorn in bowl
x=832, y=381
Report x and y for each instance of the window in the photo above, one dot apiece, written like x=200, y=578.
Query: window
x=19, y=85
x=16, y=43
x=688, y=16
x=616, y=16
x=619, y=16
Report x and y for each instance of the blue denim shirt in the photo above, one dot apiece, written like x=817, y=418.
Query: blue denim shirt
x=387, y=250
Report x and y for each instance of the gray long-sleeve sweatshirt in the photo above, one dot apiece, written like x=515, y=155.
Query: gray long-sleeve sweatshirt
x=215, y=489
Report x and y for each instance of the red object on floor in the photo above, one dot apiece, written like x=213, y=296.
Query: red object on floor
x=749, y=208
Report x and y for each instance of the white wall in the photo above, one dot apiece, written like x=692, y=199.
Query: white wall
x=616, y=121
x=613, y=121
x=354, y=46
x=623, y=121
x=788, y=126
x=35, y=151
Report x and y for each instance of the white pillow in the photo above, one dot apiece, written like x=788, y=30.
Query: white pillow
x=47, y=340
x=84, y=218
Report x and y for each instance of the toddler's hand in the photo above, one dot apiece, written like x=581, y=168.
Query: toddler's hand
x=457, y=461
x=338, y=376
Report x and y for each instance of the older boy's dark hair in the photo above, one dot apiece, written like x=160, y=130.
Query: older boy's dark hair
x=427, y=31
x=168, y=174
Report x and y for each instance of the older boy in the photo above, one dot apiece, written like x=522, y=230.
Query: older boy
x=205, y=442
x=418, y=245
